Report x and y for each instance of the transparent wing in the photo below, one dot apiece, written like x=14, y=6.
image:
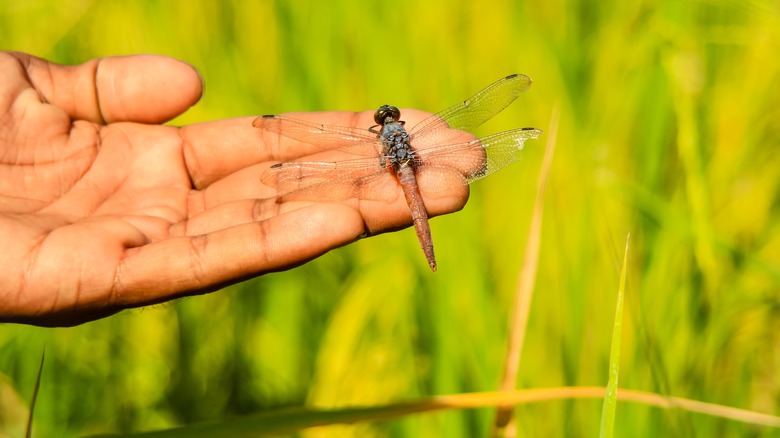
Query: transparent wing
x=321, y=178
x=477, y=109
x=474, y=159
x=467, y=115
x=479, y=158
x=324, y=137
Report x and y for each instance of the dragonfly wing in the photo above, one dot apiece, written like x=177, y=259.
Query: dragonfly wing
x=479, y=158
x=477, y=109
x=324, y=137
x=320, y=179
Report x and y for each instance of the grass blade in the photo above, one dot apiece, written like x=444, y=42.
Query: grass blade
x=610, y=398
x=292, y=420
x=28, y=431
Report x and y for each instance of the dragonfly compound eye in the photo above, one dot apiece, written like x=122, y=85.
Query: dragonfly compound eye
x=384, y=112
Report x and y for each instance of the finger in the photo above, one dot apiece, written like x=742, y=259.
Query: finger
x=137, y=88
x=200, y=264
x=382, y=205
x=231, y=214
x=239, y=186
x=216, y=149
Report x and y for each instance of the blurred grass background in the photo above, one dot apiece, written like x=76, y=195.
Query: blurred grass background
x=670, y=130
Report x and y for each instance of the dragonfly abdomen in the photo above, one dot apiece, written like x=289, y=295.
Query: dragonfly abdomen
x=408, y=181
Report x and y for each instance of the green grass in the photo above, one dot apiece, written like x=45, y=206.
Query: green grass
x=669, y=130
x=611, y=393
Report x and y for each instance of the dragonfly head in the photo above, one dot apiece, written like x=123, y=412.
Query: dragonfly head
x=386, y=112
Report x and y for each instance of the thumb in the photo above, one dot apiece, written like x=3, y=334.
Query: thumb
x=136, y=88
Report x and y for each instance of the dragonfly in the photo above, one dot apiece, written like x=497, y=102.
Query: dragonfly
x=437, y=142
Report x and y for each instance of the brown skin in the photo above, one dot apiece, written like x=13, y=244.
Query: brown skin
x=102, y=208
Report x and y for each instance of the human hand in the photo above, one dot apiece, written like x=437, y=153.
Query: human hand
x=103, y=209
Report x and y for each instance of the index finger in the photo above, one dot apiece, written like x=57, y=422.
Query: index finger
x=213, y=150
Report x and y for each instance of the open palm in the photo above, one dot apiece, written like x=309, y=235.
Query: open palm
x=102, y=208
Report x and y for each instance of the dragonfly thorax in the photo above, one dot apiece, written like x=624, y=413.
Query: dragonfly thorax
x=395, y=143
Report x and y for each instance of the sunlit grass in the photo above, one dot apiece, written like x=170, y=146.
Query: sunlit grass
x=288, y=421
x=669, y=129
x=611, y=394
